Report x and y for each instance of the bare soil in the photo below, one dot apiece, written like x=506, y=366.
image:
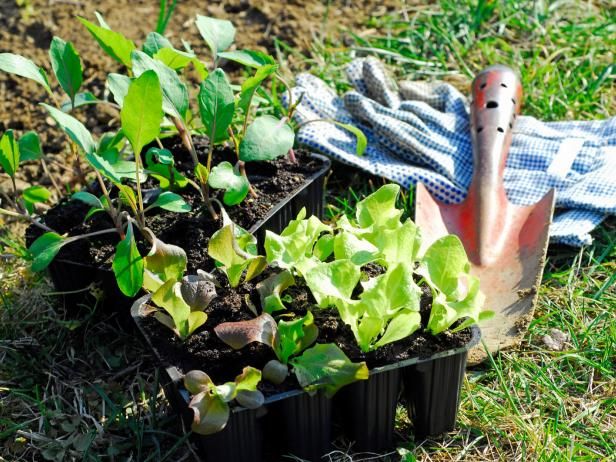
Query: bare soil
x=28, y=31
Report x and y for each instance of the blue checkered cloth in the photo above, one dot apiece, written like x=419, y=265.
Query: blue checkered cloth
x=419, y=132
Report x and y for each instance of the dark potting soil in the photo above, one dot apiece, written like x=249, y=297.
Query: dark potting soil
x=205, y=351
x=272, y=182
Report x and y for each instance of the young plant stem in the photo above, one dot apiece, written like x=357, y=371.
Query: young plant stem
x=186, y=139
x=77, y=164
x=241, y=164
x=51, y=178
x=112, y=210
x=188, y=143
x=140, y=214
x=288, y=88
x=25, y=216
x=292, y=157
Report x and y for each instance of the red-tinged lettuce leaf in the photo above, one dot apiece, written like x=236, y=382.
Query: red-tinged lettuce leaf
x=238, y=334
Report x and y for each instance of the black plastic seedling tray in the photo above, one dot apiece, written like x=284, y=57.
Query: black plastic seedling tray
x=296, y=423
x=74, y=278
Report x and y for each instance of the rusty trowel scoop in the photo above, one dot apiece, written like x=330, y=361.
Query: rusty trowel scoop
x=505, y=243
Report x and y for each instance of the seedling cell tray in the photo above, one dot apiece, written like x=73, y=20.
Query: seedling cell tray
x=296, y=423
x=74, y=278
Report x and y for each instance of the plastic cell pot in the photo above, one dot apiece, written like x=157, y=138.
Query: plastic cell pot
x=430, y=387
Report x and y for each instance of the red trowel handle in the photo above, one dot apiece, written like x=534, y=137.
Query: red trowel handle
x=497, y=96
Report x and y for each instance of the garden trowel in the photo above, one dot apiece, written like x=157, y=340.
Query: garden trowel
x=506, y=244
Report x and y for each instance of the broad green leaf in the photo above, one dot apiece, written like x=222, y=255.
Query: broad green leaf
x=166, y=261
x=112, y=141
x=358, y=251
x=175, y=93
x=250, y=58
x=113, y=43
x=216, y=105
x=201, y=173
x=324, y=247
x=362, y=141
x=155, y=42
x=87, y=198
x=128, y=265
x=295, y=336
x=398, y=245
x=267, y=138
x=368, y=328
x=172, y=202
x=248, y=379
x=30, y=147
x=219, y=34
x=161, y=173
x=118, y=86
x=81, y=99
x=164, y=156
x=445, y=261
x=446, y=311
x=332, y=281
x=325, y=366
x=66, y=65
x=23, y=67
x=44, y=249
x=126, y=169
x=250, y=85
x=104, y=167
x=9, y=153
x=379, y=208
x=128, y=197
x=224, y=246
x=224, y=176
x=195, y=320
x=35, y=194
x=169, y=298
x=271, y=289
x=142, y=111
x=75, y=130
x=388, y=293
x=178, y=60
x=296, y=242
x=255, y=267
x=401, y=326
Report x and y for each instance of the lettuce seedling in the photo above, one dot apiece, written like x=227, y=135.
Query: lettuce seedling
x=324, y=366
x=235, y=249
x=183, y=298
x=387, y=307
x=210, y=402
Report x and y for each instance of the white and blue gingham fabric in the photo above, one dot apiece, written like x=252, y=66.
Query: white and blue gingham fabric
x=419, y=132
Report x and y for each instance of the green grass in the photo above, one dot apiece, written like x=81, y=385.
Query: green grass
x=85, y=390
